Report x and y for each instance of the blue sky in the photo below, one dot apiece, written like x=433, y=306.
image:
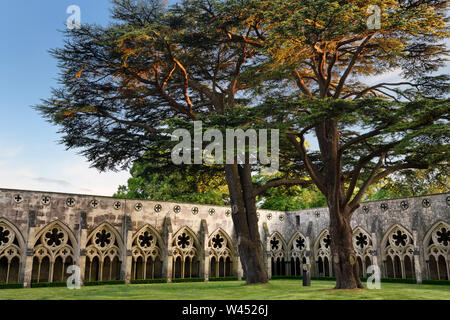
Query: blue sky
x=30, y=156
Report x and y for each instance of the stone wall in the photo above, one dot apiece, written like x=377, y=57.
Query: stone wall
x=42, y=233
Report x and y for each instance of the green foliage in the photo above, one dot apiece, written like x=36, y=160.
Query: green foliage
x=222, y=279
x=178, y=280
x=183, y=183
x=11, y=285
x=103, y=283
x=48, y=284
x=146, y=281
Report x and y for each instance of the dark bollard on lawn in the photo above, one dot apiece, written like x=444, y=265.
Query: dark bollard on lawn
x=306, y=275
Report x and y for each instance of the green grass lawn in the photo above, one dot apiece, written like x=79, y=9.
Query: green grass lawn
x=232, y=290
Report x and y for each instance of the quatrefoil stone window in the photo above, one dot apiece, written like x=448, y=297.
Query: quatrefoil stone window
x=95, y=204
x=212, y=211
x=228, y=213
x=426, y=203
x=103, y=238
x=365, y=209
x=194, y=210
x=443, y=236
x=54, y=237
x=5, y=236
x=217, y=241
x=146, y=240
x=399, y=238
x=361, y=240
x=177, y=209
x=18, y=198
x=184, y=240
x=158, y=208
x=117, y=205
x=327, y=241
x=300, y=243
x=138, y=206
x=45, y=200
x=281, y=217
x=70, y=202
x=269, y=216
x=275, y=243
x=384, y=206
x=404, y=205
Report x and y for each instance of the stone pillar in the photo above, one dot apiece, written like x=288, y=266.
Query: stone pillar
x=82, y=246
x=239, y=271
x=28, y=263
x=307, y=267
x=128, y=258
x=417, y=267
x=374, y=251
x=204, y=255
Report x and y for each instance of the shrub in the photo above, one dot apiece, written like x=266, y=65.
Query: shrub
x=188, y=280
x=11, y=285
x=223, y=279
x=102, y=283
x=48, y=284
x=144, y=281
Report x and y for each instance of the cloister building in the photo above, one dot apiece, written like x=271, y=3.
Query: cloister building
x=43, y=233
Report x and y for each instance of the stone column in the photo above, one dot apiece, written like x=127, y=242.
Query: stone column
x=417, y=268
x=168, y=263
x=28, y=263
x=308, y=260
x=374, y=250
x=128, y=258
x=82, y=246
x=239, y=271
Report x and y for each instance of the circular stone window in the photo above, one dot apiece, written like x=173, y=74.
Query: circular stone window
x=70, y=202
x=177, y=209
x=211, y=211
x=117, y=205
x=45, y=200
x=138, y=206
x=158, y=208
x=18, y=198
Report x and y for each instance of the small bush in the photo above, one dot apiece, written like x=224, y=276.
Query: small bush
x=188, y=280
x=145, y=281
x=11, y=285
x=440, y=282
x=104, y=283
x=48, y=284
x=223, y=279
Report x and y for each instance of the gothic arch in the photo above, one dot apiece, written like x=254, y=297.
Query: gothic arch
x=297, y=253
x=185, y=254
x=221, y=254
x=53, y=252
x=278, y=253
x=437, y=251
x=398, y=252
x=12, y=247
x=322, y=252
x=104, y=249
x=147, y=252
x=362, y=242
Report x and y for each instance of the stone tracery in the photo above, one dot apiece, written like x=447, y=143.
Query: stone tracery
x=437, y=252
x=297, y=251
x=185, y=253
x=398, y=253
x=322, y=249
x=103, y=254
x=10, y=253
x=146, y=252
x=53, y=253
x=220, y=254
x=278, y=254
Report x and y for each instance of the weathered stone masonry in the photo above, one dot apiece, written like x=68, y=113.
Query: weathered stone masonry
x=43, y=233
